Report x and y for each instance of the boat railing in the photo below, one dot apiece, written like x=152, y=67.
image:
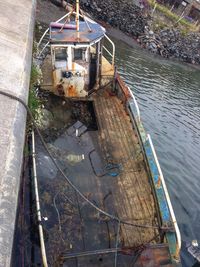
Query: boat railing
x=47, y=30
x=178, y=235
x=111, y=54
x=144, y=138
x=41, y=52
x=45, y=33
x=135, y=103
x=37, y=200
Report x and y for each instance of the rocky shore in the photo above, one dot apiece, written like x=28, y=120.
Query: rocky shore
x=170, y=43
x=136, y=21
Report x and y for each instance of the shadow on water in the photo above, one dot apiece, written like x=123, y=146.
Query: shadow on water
x=169, y=98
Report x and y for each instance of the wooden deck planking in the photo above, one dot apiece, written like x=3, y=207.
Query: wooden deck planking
x=108, y=138
x=133, y=200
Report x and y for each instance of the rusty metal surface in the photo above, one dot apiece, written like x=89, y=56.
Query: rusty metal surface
x=155, y=256
x=71, y=35
x=123, y=92
x=152, y=256
x=69, y=87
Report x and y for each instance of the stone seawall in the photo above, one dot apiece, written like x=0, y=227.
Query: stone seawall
x=16, y=39
x=170, y=43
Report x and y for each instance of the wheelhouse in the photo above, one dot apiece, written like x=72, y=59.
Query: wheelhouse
x=76, y=54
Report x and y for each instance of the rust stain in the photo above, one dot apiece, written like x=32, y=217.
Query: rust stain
x=158, y=184
x=123, y=87
x=72, y=91
x=157, y=256
x=73, y=66
x=150, y=256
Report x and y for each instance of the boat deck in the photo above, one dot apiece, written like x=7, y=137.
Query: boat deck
x=106, y=164
x=132, y=197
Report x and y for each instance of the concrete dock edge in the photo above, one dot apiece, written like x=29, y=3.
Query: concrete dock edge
x=16, y=39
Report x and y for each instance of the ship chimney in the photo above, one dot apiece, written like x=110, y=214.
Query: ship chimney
x=77, y=15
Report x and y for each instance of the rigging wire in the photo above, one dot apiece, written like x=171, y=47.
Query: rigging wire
x=58, y=214
x=111, y=216
x=136, y=257
x=117, y=242
x=125, y=251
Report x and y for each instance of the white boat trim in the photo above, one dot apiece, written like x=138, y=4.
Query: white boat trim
x=37, y=200
x=178, y=235
x=113, y=46
x=66, y=15
x=135, y=101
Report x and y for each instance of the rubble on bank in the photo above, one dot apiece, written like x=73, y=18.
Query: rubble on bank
x=170, y=43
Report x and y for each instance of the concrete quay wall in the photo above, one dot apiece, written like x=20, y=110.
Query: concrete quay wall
x=16, y=38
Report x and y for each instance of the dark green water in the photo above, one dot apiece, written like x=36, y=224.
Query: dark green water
x=169, y=99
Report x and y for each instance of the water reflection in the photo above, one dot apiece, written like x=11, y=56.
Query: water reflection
x=169, y=100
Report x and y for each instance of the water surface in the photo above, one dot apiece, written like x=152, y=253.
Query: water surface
x=169, y=99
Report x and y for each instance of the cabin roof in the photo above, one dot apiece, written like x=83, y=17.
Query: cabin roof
x=70, y=35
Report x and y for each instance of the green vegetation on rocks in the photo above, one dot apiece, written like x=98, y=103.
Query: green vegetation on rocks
x=34, y=102
x=177, y=20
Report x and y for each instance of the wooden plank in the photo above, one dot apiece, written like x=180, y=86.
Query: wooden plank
x=133, y=199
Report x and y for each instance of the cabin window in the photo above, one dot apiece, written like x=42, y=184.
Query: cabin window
x=79, y=54
x=61, y=54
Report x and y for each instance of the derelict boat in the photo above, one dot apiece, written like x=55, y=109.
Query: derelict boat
x=101, y=196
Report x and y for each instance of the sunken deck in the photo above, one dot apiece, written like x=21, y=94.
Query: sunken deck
x=132, y=197
x=124, y=190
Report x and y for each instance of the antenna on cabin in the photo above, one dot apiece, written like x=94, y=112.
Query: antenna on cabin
x=77, y=15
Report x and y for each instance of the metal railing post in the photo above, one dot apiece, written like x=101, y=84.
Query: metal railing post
x=135, y=102
x=113, y=52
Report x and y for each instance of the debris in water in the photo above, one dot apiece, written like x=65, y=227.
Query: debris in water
x=62, y=155
x=193, y=249
x=73, y=159
x=195, y=243
x=46, y=167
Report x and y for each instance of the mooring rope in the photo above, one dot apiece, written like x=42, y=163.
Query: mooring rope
x=111, y=216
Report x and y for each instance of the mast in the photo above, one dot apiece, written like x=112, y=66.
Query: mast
x=77, y=15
